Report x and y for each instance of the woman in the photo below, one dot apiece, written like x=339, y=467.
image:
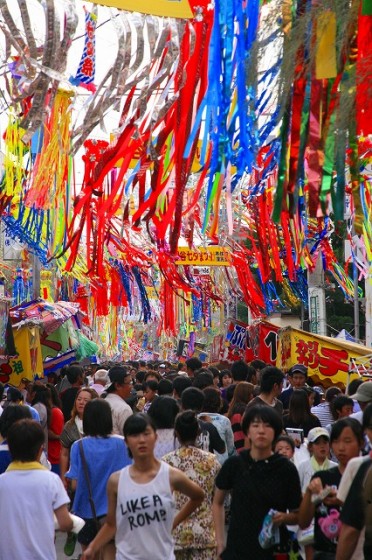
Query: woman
x=163, y=411
x=55, y=430
x=225, y=380
x=140, y=497
x=346, y=442
x=194, y=538
x=242, y=395
x=299, y=415
x=211, y=412
x=73, y=429
x=104, y=454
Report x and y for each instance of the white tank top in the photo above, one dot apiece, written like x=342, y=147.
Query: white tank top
x=144, y=517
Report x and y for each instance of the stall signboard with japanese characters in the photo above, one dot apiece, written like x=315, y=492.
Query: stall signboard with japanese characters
x=28, y=363
x=262, y=342
x=327, y=359
x=204, y=256
x=236, y=341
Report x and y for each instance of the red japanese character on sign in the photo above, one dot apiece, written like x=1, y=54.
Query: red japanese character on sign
x=90, y=29
x=87, y=68
x=307, y=353
x=90, y=48
x=331, y=361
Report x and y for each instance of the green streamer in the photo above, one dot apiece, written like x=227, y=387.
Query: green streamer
x=283, y=171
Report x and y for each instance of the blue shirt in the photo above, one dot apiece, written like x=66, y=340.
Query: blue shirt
x=104, y=456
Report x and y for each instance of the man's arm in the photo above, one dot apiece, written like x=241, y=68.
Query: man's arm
x=216, y=441
x=63, y=518
x=347, y=542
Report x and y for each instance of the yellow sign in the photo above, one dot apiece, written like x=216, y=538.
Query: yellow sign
x=206, y=256
x=29, y=361
x=327, y=359
x=166, y=8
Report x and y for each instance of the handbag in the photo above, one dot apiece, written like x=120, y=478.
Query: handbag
x=97, y=524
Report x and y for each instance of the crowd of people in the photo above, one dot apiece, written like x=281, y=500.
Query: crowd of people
x=186, y=463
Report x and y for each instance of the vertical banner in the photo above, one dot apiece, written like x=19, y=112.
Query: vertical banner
x=262, y=342
x=29, y=361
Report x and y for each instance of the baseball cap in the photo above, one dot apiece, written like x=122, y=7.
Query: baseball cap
x=364, y=392
x=298, y=368
x=117, y=374
x=316, y=433
x=162, y=366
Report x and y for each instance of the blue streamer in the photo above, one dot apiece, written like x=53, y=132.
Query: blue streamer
x=146, y=309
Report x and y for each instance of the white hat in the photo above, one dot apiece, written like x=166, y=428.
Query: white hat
x=316, y=433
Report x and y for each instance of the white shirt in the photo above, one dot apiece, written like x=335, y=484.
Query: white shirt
x=98, y=388
x=342, y=492
x=120, y=412
x=323, y=412
x=28, y=499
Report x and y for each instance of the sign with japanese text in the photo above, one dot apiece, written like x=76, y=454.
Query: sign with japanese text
x=262, y=342
x=167, y=8
x=235, y=342
x=327, y=359
x=204, y=256
x=29, y=361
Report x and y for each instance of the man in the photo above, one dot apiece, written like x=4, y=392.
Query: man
x=180, y=383
x=323, y=410
x=271, y=386
x=363, y=396
x=100, y=380
x=117, y=392
x=27, y=525
x=259, y=481
x=209, y=439
x=240, y=372
x=192, y=364
x=297, y=376
x=203, y=378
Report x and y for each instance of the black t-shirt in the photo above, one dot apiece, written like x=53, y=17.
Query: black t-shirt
x=257, y=486
x=326, y=517
x=353, y=511
x=209, y=439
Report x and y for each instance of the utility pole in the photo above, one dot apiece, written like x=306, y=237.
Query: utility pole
x=368, y=307
x=316, y=295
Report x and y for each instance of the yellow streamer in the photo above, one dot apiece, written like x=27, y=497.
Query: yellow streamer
x=325, y=61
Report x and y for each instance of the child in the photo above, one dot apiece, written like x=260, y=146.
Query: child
x=285, y=446
x=29, y=495
x=150, y=392
x=318, y=447
x=347, y=442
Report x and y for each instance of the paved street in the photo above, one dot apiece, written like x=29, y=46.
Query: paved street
x=60, y=543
